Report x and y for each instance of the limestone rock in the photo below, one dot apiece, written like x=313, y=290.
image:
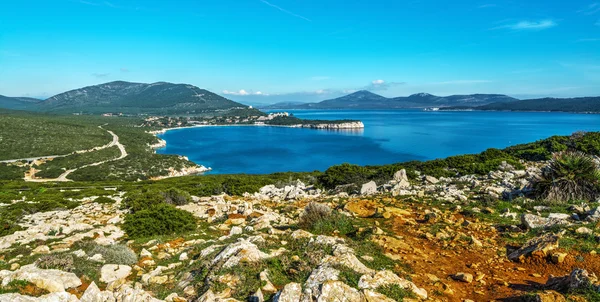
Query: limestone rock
x=338, y=291
x=52, y=297
x=464, y=277
x=291, y=292
x=372, y=296
x=363, y=208
x=51, y=280
x=113, y=272
x=369, y=188
x=385, y=277
x=534, y=221
x=549, y=296
x=539, y=246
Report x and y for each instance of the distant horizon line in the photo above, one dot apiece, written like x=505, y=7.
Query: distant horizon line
x=518, y=97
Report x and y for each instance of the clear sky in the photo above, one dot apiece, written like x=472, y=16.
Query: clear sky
x=265, y=51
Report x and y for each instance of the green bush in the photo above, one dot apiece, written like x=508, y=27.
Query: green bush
x=137, y=201
x=569, y=176
x=395, y=292
x=320, y=219
x=162, y=219
x=104, y=200
x=176, y=197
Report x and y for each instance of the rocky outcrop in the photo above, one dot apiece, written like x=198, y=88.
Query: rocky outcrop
x=51, y=280
x=536, y=247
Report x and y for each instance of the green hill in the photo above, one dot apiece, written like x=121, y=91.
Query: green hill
x=137, y=98
x=586, y=104
x=18, y=103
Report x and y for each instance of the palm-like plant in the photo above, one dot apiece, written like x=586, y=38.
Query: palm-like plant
x=569, y=176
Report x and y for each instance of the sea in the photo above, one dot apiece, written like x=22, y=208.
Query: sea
x=389, y=136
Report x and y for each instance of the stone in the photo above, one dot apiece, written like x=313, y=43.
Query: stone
x=268, y=286
x=183, y=256
x=241, y=251
x=558, y=257
x=584, y=231
x=257, y=297
x=432, y=180
x=145, y=253
x=372, y=296
x=113, y=272
x=560, y=216
x=539, y=246
x=42, y=249
x=369, y=188
x=534, y=221
x=464, y=277
x=236, y=230
x=291, y=292
x=51, y=280
x=549, y=296
x=52, y=297
x=385, y=277
x=578, y=279
x=363, y=208
x=334, y=291
x=15, y=266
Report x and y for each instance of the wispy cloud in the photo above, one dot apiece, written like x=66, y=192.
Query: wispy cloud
x=590, y=9
x=597, y=23
x=378, y=85
x=285, y=10
x=489, y=5
x=123, y=69
x=588, y=40
x=462, y=82
x=100, y=75
x=242, y=92
x=529, y=25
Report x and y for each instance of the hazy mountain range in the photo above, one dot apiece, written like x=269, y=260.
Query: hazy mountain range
x=367, y=100
x=168, y=98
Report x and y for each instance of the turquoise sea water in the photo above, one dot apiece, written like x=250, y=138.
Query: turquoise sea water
x=389, y=136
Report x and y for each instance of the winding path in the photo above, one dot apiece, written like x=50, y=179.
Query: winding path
x=63, y=177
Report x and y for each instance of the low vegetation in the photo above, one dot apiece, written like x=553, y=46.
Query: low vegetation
x=569, y=176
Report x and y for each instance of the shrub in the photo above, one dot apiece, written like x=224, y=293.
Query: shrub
x=63, y=262
x=569, y=176
x=141, y=200
x=319, y=219
x=104, y=200
x=177, y=197
x=395, y=292
x=162, y=219
x=114, y=254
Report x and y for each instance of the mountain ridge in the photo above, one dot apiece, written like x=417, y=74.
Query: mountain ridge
x=129, y=97
x=364, y=99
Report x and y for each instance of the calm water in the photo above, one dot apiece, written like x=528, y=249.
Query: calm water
x=388, y=137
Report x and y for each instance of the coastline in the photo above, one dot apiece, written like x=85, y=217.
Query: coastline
x=198, y=169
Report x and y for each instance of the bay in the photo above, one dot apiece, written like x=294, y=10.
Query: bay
x=389, y=136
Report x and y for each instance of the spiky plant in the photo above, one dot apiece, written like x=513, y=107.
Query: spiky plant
x=569, y=176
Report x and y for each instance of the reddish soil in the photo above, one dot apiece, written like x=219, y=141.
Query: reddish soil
x=503, y=280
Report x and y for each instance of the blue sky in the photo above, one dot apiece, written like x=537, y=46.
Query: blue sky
x=266, y=51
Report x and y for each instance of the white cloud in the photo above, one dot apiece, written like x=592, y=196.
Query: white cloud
x=378, y=82
x=100, y=75
x=590, y=9
x=487, y=5
x=243, y=92
x=529, y=25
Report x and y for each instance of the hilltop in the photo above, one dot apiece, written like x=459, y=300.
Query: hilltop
x=128, y=98
x=368, y=100
x=18, y=103
x=584, y=104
